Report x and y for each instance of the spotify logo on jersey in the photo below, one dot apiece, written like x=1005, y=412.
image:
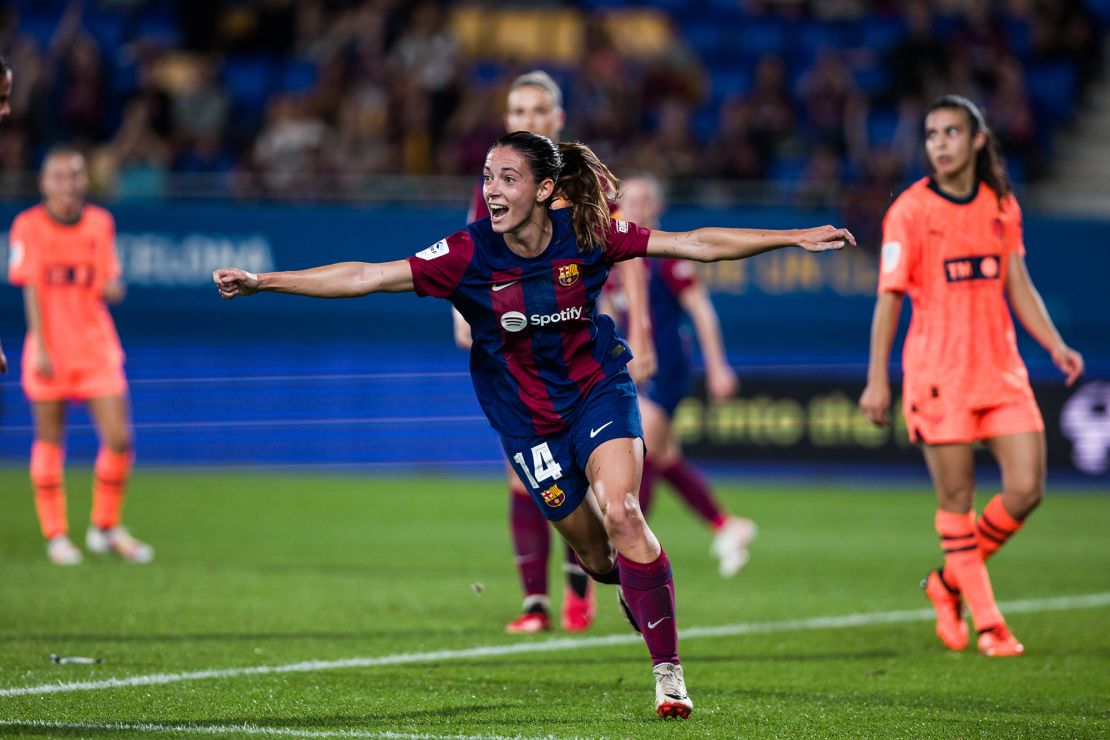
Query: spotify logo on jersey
x=513, y=321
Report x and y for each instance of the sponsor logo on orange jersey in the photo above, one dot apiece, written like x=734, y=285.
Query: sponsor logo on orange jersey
x=982, y=267
x=554, y=496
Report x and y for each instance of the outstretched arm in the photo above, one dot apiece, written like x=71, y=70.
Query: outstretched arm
x=875, y=400
x=716, y=244
x=341, y=280
x=1029, y=308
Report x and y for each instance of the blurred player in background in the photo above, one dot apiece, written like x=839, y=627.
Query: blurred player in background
x=953, y=242
x=63, y=253
x=674, y=290
x=535, y=103
x=5, y=111
x=548, y=369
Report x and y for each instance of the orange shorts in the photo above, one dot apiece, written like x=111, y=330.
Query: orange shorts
x=934, y=422
x=75, y=385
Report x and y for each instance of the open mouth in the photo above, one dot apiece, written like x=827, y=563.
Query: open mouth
x=496, y=210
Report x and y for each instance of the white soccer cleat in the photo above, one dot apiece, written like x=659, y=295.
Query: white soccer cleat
x=63, y=552
x=730, y=545
x=118, y=540
x=671, y=700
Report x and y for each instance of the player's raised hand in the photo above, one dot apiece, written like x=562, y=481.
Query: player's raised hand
x=824, y=238
x=234, y=282
x=1069, y=361
x=875, y=402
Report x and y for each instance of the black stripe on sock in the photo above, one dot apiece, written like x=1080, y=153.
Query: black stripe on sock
x=1005, y=532
x=956, y=536
x=991, y=537
x=961, y=549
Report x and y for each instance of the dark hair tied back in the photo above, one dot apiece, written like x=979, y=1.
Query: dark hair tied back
x=580, y=178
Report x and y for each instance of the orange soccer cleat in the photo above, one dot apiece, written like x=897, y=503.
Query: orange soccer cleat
x=999, y=642
x=951, y=626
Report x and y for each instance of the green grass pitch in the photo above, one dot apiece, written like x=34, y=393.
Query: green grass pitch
x=258, y=570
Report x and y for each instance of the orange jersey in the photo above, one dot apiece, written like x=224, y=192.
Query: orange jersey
x=952, y=258
x=69, y=265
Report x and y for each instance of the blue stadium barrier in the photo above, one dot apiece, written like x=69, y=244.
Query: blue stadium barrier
x=279, y=381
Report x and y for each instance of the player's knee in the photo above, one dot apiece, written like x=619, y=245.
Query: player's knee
x=956, y=496
x=624, y=519
x=1026, y=494
x=119, y=443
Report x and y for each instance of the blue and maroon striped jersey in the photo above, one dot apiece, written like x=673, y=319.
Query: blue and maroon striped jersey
x=540, y=344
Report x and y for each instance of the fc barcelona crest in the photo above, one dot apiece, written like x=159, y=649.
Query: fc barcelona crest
x=554, y=496
x=568, y=275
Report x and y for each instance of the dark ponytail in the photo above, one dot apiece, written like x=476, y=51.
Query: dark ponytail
x=587, y=184
x=580, y=178
x=990, y=166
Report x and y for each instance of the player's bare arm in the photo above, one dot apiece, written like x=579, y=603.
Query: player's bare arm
x=634, y=281
x=341, y=280
x=43, y=365
x=716, y=244
x=720, y=379
x=1031, y=312
x=3, y=361
x=876, y=399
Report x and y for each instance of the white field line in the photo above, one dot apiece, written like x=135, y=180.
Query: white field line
x=1085, y=601
x=224, y=730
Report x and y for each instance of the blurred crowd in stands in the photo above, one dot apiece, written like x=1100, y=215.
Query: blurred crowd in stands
x=314, y=98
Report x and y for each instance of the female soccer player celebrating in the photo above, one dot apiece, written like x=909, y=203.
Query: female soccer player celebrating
x=548, y=369
x=64, y=256
x=953, y=242
x=535, y=103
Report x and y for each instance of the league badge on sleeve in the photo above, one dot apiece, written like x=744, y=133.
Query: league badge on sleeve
x=438, y=249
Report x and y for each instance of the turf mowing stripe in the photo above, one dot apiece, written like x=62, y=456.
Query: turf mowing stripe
x=1085, y=601
x=243, y=729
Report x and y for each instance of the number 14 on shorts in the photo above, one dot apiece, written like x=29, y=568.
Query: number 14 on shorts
x=543, y=463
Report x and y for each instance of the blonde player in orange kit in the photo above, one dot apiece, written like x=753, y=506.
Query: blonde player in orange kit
x=953, y=242
x=63, y=253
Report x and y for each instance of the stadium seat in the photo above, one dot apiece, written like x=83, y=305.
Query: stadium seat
x=1053, y=86
x=297, y=75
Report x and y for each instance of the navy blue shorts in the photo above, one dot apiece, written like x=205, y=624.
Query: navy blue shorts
x=668, y=388
x=553, y=467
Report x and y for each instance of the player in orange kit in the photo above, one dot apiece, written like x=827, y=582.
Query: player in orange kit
x=63, y=253
x=953, y=242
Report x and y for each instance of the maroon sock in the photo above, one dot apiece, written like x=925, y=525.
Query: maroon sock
x=694, y=489
x=647, y=486
x=577, y=579
x=649, y=592
x=612, y=578
x=531, y=542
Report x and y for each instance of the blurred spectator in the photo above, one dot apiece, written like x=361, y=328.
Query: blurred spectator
x=292, y=146
x=135, y=162
x=427, y=54
x=821, y=181
x=835, y=109
x=201, y=110
x=770, y=113
x=731, y=152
